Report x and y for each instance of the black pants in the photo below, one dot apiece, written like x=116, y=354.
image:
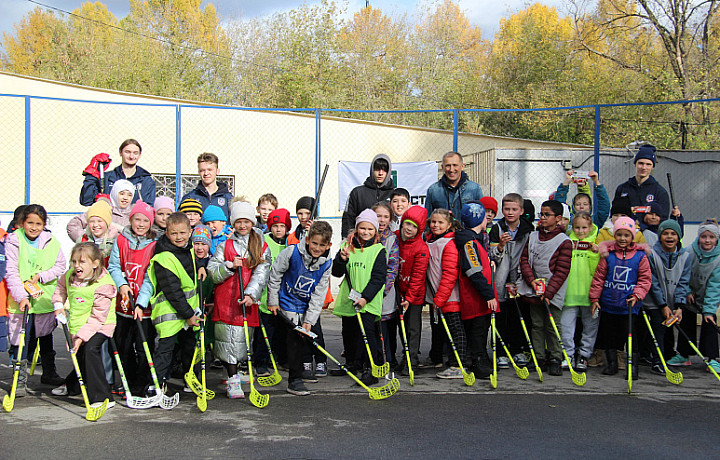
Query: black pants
x=312, y=352
x=613, y=332
x=476, y=330
x=455, y=325
x=389, y=328
x=261, y=354
x=356, y=355
x=708, y=345
x=656, y=318
x=185, y=339
x=439, y=343
x=507, y=321
x=295, y=348
x=131, y=352
x=92, y=370
x=31, y=340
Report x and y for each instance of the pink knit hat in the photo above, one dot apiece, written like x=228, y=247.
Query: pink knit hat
x=368, y=216
x=625, y=223
x=144, y=209
x=163, y=202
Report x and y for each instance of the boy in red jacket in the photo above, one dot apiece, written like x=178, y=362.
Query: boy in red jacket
x=547, y=255
x=410, y=281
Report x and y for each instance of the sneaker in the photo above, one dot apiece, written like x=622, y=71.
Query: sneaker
x=367, y=378
x=216, y=364
x=581, y=364
x=564, y=364
x=714, y=365
x=503, y=362
x=187, y=389
x=95, y=405
x=657, y=369
x=450, y=373
x=263, y=371
x=646, y=360
x=308, y=375
x=117, y=389
x=297, y=388
x=337, y=372
x=554, y=367
x=321, y=370
x=429, y=363
x=234, y=389
x=679, y=360
x=520, y=359
x=244, y=377
x=60, y=391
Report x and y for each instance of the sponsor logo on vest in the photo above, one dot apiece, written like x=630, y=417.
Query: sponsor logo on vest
x=470, y=250
x=621, y=274
x=79, y=300
x=360, y=265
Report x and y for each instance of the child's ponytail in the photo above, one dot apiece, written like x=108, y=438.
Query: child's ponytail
x=255, y=250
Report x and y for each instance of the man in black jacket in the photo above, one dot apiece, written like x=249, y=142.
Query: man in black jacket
x=643, y=188
x=377, y=187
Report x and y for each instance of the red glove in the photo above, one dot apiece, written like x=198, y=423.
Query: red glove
x=93, y=168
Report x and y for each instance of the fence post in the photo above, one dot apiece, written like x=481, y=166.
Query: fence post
x=456, y=129
x=27, y=149
x=178, y=155
x=596, y=155
x=318, y=152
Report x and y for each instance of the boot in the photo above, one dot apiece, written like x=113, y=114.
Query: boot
x=22, y=380
x=50, y=375
x=635, y=367
x=611, y=362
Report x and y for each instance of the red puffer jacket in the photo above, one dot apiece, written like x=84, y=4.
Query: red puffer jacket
x=443, y=272
x=413, y=258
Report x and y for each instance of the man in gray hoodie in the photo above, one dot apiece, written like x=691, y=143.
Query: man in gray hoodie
x=377, y=187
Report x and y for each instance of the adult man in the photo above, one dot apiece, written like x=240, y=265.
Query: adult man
x=643, y=189
x=209, y=190
x=377, y=187
x=454, y=188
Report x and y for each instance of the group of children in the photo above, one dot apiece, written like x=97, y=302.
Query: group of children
x=144, y=265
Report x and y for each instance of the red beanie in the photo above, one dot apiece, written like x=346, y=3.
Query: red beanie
x=144, y=209
x=489, y=203
x=279, y=216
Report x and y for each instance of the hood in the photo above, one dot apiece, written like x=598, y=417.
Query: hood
x=463, y=178
x=388, y=182
x=418, y=215
x=165, y=245
x=311, y=262
x=611, y=245
x=134, y=240
x=704, y=254
x=448, y=234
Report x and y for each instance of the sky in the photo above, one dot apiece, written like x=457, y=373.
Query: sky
x=484, y=13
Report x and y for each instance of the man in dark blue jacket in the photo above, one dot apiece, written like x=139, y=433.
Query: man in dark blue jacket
x=643, y=189
x=454, y=188
x=209, y=190
x=130, y=152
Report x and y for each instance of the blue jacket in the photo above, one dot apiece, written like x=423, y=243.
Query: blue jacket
x=601, y=210
x=443, y=195
x=642, y=195
x=683, y=286
x=220, y=238
x=221, y=198
x=712, y=287
x=142, y=180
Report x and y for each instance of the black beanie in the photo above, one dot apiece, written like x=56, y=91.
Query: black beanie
x=306, y=202
x=528, y=211
x=621, y=205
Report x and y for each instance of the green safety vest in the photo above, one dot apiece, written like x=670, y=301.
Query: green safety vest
x=359, y=269
x=81, y=301
x=164, y=316
x=582, y=270
x=275, y=249
x=30, y=262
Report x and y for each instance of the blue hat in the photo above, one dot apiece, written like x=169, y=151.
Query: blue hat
x=646, y=152
x=213, y=213
x=472, y=214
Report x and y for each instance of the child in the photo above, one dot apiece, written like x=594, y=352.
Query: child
x=410, y=283
x=491, y=209
x=100, y=229
x=399, y=203
x=209, y=190
x=621, y=281
x=362, y=262
x=548, y=255
x=303, y=209
x=299, y=278
x=507, y=240
x=175, y=302
x=705, y=290
x=620, y=208
x=585, y=258
x=582, y=201
x=566, y=217
x=377, y=187
x=389, y=319
x=244, y=254
x=129, y=259
x=267, y=203
x=33, y=254
x=3, y=294
x=164, y=206
x=477, y=294
x=90, y=292
x=120, y=201
x=442, y=283
x=215, y=218
x=192, y=209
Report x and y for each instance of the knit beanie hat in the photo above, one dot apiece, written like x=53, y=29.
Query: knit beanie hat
x=621, y=205
x=625, y=223
x=191, y=205
x=164, y=202
x=202, y=234
x=102, y=210
x=656, y=208
x=242, y=210
x=489, y=203
x=122, y=185
x=306, y=202
x=709, y=226
x=368, y=216
x=671, y=225
x=646, y=152
x=472, y=214
x=144, y=209
x=213, y=213
x=279, y=216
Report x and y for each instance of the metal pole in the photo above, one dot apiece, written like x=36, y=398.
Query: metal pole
x=596, y=162
x=27, y=150
x=178, y=155
x=318, y=150
x=456, y=128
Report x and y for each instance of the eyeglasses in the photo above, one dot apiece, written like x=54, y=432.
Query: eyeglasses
x=545, y=214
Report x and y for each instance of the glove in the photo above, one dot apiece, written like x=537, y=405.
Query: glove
x=93, y=169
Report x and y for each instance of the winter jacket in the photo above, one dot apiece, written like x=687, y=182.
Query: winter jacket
x=606, y=234
x=279, y=274
x=443, y=195
x=629, y=278
x=118, y=272
x=642, y=195
x=559, y=263
x=508, y=261
x=660, y=295
x=392, y=250
x=365, y=196
x=221, y=198
x=443, y=273
x=706, y=289
x=221, y=237
x=168, y=282
x=475, y=282
x=601, y=210
x=142, y=180
x=582, y=268
x=413, y=259
x=375, y=284
x=104, y=301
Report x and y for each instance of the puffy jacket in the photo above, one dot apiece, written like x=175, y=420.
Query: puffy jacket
x=142, y=180
x=606, y=234
x=221, y=198
x=365, y=196
x=443, y=195
x=644, y=274
x=601, y=208
x=669, y=259
x=168, y=282
x=443, y=272
x=711, y=299
x=642, y=195
x=77, y=228
x=559, y=263
x=475, y=283
x=413, y=259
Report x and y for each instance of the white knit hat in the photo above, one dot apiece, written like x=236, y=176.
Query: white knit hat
x=242, y=210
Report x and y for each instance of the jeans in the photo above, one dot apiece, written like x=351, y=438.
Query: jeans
x=568, y=319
